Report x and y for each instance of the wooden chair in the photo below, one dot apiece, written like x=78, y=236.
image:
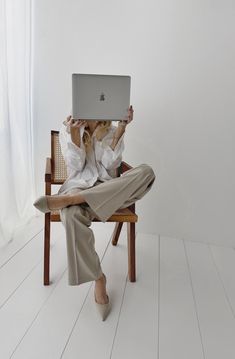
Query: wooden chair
x=56, y=174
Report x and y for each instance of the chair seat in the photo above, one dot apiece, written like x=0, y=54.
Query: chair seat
x=121, y=215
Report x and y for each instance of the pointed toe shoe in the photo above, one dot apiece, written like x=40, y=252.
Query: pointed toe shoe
x=103, y=309
x=41, y=204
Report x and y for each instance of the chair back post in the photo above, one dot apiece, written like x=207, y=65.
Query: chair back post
x=58, y=166
x=53, y=134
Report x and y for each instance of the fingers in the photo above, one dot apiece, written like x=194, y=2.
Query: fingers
x=130, y=111
x=129, y=117
x=71, y=122
x=79, y=123
x=130, y=114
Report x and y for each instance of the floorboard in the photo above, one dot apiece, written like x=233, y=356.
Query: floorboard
x=216, y=319
x=179, y=334
x=182, y=305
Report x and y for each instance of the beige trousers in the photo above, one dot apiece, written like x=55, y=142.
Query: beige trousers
x=102, y=200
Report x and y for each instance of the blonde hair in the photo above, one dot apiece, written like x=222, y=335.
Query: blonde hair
x=101, y=130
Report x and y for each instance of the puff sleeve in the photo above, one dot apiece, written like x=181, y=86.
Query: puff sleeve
x=74, y=155
x=111, y=159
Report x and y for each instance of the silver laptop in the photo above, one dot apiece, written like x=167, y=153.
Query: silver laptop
x=100, y=97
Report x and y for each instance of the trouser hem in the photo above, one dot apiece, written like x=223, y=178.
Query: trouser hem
x=73, y=283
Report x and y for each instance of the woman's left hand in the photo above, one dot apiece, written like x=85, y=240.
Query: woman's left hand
x=127, y=119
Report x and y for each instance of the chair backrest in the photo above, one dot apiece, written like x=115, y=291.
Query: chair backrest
x=58, y=166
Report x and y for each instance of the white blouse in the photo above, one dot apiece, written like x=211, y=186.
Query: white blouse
x=83, y=169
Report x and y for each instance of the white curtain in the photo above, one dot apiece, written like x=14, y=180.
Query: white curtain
x=16, y=140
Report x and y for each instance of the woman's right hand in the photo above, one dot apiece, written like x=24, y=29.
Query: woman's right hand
x=73, y=125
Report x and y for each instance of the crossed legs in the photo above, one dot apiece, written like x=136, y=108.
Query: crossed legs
x=61, y=201
x=108, y=196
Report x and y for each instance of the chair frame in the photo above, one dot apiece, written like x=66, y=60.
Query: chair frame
x=125, y=215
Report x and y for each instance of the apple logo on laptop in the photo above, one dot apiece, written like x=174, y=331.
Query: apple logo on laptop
x=102, y=98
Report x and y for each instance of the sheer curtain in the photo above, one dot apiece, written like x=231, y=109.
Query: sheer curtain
x=16, y=140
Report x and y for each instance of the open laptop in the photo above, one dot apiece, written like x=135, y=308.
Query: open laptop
x=100, y=97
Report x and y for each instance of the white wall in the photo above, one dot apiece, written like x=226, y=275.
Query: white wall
x=181, y=57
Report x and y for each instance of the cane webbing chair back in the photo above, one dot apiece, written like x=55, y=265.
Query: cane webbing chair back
x=59, y=171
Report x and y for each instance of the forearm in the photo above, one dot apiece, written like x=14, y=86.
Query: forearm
x=75, y=137
x=118, y=133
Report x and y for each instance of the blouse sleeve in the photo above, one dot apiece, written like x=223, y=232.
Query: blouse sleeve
x=74, y=155
x=112, y=159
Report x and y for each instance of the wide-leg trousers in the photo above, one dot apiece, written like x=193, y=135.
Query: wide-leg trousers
x=102, y=200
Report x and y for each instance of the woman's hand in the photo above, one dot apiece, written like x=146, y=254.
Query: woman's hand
x=128, y=118
x=73, y=124
x=121, y=127
x=73, y=127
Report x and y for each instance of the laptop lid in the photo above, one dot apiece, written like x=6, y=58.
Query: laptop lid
x=100, y=97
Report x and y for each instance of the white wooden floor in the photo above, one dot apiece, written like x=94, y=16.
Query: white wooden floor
x=181, y=306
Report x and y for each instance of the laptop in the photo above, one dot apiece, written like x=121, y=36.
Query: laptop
x=100, y=97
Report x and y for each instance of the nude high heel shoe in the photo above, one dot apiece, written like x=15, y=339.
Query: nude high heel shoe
x=103, y=309
x=41, y=204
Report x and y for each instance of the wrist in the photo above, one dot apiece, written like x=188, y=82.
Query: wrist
x=122, y=123
x=117, y=135
x=75, y=137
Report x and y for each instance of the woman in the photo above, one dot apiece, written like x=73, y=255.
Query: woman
x=93, y=151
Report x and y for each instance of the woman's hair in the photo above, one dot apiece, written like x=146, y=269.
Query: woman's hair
x=101, y=130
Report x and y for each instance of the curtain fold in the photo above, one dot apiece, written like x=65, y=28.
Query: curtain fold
x=17, y=185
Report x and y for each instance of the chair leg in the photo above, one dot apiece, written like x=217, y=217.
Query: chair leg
x=47, y=249
x=131, y=251
x=116, y=233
